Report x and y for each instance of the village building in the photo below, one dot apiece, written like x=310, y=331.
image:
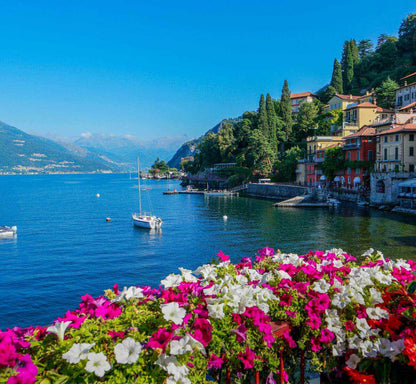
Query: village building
x=406, y=94
x=296, y=99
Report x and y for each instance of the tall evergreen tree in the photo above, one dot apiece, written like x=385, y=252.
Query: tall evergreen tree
x=365, y=48
x=262, y=122
x=271, y=119
x=286, y=110
x=336, y=80
x=347, y=64
x=354, y=51
x=407, y=37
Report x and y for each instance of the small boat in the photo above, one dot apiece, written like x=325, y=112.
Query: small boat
x=7, y=231
x=143, y=219
x=363, y=203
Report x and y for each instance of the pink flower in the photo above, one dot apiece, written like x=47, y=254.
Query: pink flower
x=291, y=313
x=349, y=325
x=241, y=333
x=160, y=339
x=27, y=371
x=314, y=321
x=223, y=256
x=8, y=353
x=247, y=358
x=116, y=335
x=315, y=346
x=286, y=299
x=270, y=379
x=291, y=343
x=202, y=331
x=76, y=320
x=326, y=336
x=215, y=362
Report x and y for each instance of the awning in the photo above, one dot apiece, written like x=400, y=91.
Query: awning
x=322, y=178
x=408, y=183
x=357, y=180
x=337, y=178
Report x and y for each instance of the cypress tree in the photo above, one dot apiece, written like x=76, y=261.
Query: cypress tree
x=347, y=64
x=286, y=110
x=271, y=120
x=262, y=122
x=336, y=80
x=354, y=51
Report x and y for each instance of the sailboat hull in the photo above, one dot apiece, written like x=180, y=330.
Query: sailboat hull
x=147, y=222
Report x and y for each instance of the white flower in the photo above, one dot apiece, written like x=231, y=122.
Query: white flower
x=171, y=280
x=130, y=293
x=377, y=313
x=188, y=276
x=368, y=252
x=164, y=360
x=321, y=286
x=353, y=361
x=363, y=326
x=59, y=328
x=207, y=271
x=283, y=275
x=127, y=352
x=368, y=349
x=182, y=380
x=213, y=290
x=77, y=352
x=179, y=372
x=186, y=344
x=216, y=311
x=338, y=349
x=172, y=312
x=375, y=296
x=97, y=363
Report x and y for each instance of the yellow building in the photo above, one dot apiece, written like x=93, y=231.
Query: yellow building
x=396, y=149
x=341, y=102
x=365, y=113
x=316, y=143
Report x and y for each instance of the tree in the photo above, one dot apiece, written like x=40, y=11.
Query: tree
x=365, y=48
x=347, y=64
x=271, y=121
x=285, y=167
x=386, y=93
x=226, y=143
x=160, y=166
x=407, y=37
x=305, y=121
x=330, y=91
x=259, y=155
x=208, y=152
x=354, y=52
x=286, y=110
x=334, y=161
x=381, y=39
x=336, y=81
x=263, y=123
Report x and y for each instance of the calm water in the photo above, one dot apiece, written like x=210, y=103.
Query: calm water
x=65, y=248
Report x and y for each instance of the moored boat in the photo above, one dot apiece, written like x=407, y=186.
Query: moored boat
x=7, y=231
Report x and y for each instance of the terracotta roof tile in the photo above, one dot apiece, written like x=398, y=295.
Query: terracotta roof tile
x=411, y=105
x=397, y=128
x=407, y=76
x=364, y=131
x=347, y=97
x=301, y=94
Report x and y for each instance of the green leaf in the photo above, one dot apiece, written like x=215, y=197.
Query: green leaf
x=411, y=288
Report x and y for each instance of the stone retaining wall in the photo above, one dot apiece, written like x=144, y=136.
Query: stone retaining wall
x=275, y=191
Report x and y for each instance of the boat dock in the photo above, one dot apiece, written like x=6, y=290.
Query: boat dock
x=301, y=202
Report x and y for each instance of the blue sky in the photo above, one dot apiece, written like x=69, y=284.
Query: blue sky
x=157, y=68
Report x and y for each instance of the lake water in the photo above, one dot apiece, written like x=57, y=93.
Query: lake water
x=65, y=248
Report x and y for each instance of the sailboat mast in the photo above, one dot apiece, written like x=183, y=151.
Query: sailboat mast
x=138, y=184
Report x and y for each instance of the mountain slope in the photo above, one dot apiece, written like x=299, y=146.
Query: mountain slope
x=188, y=149
x=24, y=153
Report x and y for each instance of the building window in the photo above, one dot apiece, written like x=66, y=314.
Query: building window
x=349, y=156
x=396, y=153
x=411, y=167
x=411, y=151
x=411, y=137
x=358, y=171
x=406, y=96
x=348, y=171
x=370, y=155
x=385, y=154
x=358, y=155
x=385, y=139
x=397, y=137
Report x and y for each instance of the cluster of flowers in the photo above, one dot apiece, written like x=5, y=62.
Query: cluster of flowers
x=349, y=318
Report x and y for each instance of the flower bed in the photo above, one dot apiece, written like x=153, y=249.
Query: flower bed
x=354, y=322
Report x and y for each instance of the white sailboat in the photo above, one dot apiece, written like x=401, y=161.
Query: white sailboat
x=143, y=219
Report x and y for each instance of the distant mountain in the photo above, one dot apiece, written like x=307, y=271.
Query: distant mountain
x=21, y=152
x=188, y=149
x=121, y=151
